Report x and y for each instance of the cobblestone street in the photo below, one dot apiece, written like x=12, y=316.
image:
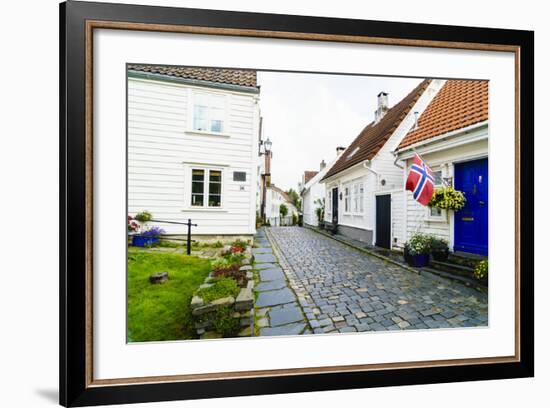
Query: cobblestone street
x=342, y=289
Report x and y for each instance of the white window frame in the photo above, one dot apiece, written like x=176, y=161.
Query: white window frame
x=442, y=216
x=347, y=196
x=356, y=198
x=191, y=108
x=206, y=190
x=328, y=204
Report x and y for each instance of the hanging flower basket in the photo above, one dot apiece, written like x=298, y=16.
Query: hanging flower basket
x=447, y=198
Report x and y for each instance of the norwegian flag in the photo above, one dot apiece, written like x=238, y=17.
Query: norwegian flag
x=420, y=181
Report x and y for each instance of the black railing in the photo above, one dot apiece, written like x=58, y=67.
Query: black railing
x=189, y=225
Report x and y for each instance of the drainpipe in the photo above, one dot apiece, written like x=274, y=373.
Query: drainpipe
x=371, y=170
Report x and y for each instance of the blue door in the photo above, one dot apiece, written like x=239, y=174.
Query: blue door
x=471, y=223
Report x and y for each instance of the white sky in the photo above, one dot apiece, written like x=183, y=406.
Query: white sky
x=307, y=115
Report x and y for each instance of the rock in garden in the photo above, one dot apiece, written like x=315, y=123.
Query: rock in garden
x=158, y=277
x=245, y=299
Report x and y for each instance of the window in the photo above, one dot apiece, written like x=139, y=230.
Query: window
x=361, y=198
x=197, y=188
x=215, y=189
x=434, y=212
x=329, y=202
x=209, y=112
x=239, y=176
x=347, y=199
x=201, y=189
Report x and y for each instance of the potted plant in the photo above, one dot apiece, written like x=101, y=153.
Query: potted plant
x=148, y=237
x=417, y=250
x=440, y=249
x=447, y=198
x=143, y=216
x=132, y=225
x=481, y=271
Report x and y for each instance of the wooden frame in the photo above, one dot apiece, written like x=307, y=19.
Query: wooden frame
x=77, y=22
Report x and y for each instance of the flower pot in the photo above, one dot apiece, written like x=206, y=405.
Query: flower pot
x=441, y=256
x=142, y=241
x=418, y=261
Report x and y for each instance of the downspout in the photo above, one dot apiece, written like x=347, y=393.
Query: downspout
x=371, y=170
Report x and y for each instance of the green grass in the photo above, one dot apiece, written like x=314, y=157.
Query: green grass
x=223, y=287
x=162, y=311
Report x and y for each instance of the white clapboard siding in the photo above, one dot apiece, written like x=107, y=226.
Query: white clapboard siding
x=163, y=149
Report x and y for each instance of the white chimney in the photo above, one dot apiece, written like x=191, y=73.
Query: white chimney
x=339, y=150
x=322, y=165
x=382, y=106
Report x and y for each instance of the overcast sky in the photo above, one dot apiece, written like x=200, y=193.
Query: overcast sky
x=307, y=115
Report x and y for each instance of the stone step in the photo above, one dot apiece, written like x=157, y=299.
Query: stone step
x=453, y=268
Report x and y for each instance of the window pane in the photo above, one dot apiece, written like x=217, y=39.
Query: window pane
x=197, y=200
x=198, y=175
x=214, y=200
x=437, y=177
x=216, y=126
x=435, y=212
x=215, y=188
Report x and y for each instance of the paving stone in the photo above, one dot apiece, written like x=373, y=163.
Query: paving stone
x=287, y=330
x=270, y=285
x=336, y=280
x=265, y=265
x=272, y=274
x=275, y=297
x=265, y=250
x=262, y=258
x=283, y=315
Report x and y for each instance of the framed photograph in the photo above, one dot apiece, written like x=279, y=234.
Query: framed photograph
x=257, y=204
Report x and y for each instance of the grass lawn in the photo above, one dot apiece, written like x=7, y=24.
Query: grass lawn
x=161, y=311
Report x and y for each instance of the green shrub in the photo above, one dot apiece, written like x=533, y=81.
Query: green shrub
x=225, y=323
x=438, y=244
x=294, y=219
x=283, y=210
x=481, y=270
x=217, y=244
x=419, y=244
x=447, y=198
x=143, y=216
x=221, y=288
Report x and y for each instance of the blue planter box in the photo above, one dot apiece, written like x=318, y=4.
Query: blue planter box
x=141, y=241
x=419, y=261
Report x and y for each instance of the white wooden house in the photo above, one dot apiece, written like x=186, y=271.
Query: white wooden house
x=452, y=137
x=193, y=147
x=313, y=192
x=274, y=198
x=364, y=188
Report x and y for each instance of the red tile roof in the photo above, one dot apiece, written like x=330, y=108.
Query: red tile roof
x=242, y=77
x=458, y=104
x=375, y=135
x=308, y=175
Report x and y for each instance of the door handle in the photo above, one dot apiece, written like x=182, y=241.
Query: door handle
x=482, y=203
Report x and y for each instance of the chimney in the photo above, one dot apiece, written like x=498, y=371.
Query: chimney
x=322, y=165
x=382, y=106
x=339, y=150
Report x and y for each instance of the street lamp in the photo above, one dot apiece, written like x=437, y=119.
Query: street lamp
x=267, y=146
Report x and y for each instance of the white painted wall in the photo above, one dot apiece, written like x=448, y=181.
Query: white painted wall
x=274, y=199
x=163, y=149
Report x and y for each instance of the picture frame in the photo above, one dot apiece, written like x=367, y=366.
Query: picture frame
x=78, y=20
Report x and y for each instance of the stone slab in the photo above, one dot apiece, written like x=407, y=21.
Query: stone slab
x=265, y=250
x=262, y=258
x=287, y=330
x=275, y=297
x=284, y=315
x=272, y=274
x=270, y=285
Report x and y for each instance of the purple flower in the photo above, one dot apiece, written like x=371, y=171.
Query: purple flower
x=153, y=232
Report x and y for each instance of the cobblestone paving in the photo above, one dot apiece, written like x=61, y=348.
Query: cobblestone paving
x=343, y=290
x=277, y=310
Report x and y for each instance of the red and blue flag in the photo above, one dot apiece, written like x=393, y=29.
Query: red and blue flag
x=420, y=181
